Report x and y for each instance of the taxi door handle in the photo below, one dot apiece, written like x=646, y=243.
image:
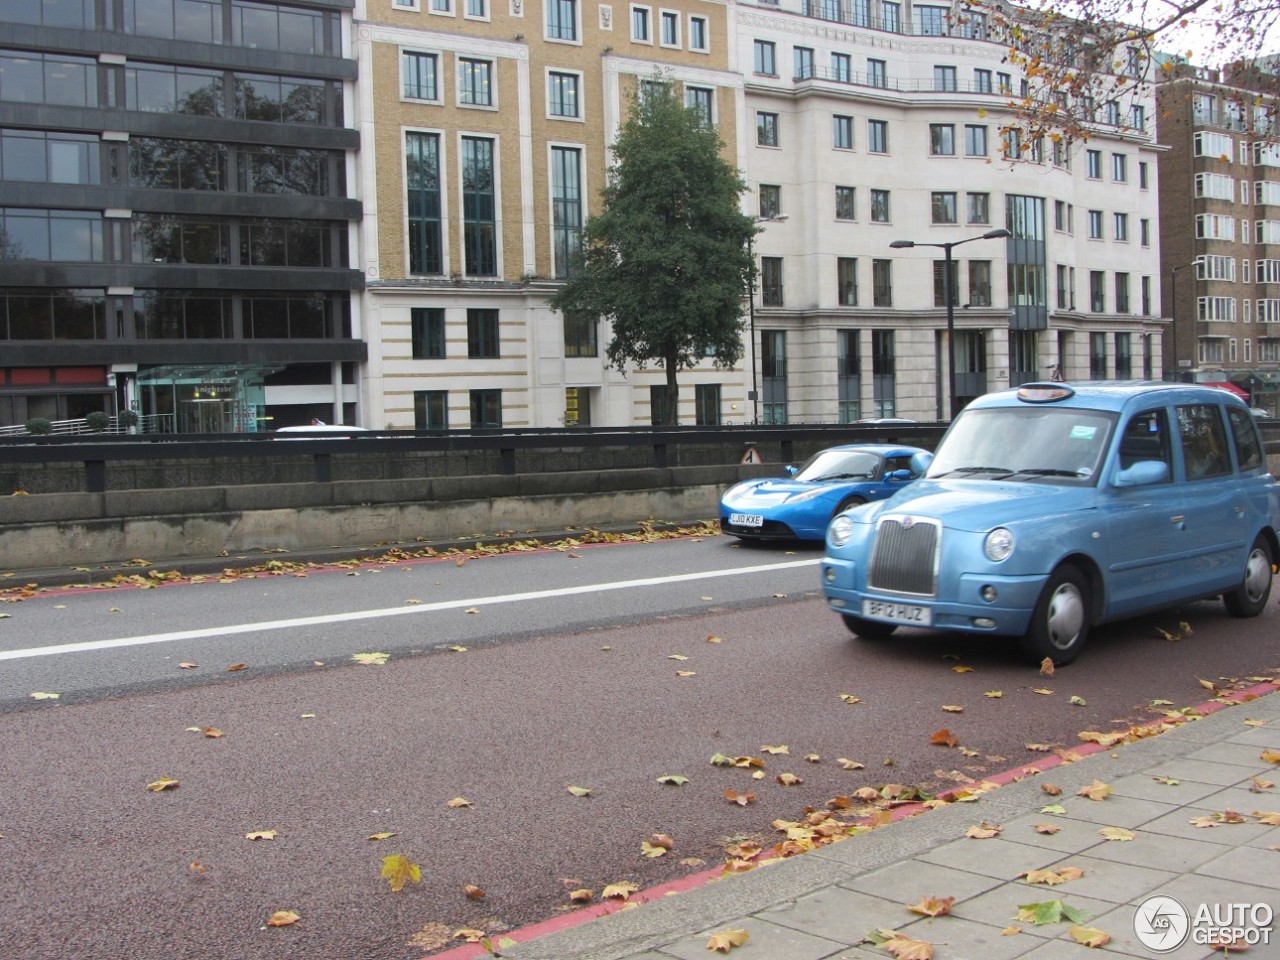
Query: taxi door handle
x=1178, y=519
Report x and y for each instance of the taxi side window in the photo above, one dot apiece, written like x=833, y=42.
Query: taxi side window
x=1204, y=441
x=1146, y=437
x=1245, y=433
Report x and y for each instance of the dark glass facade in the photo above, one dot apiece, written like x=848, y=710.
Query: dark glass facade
x=174, y=209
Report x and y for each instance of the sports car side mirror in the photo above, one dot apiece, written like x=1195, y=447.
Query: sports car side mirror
x=791, y=469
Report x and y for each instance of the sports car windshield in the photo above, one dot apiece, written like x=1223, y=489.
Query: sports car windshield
x=839, y=465
x=1025, y=444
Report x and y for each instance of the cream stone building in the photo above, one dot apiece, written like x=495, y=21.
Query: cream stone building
x=484, y=130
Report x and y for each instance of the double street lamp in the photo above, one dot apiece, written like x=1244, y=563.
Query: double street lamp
x=949, y=295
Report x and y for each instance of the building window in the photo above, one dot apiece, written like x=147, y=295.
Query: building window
x=877, y=73
x=771, y=281
x=944, y=78
x=486, y=409
x=640, y=25
x=562, y=19
x=842, y=132
x=940, y=283
x=982, y=81
x=431, y=410
x=846, y=205
x=975, y=140
x=479, y=207
x=698, y=33
x=422, y=201
x=482, y=333
x=847, y=281
x=1112, y=113
x=1012, y=148
x=770, y=200
x=979, y=208
x=803, y=63
x=702, y=100
x=670, y=28
x=477, y=9
x=420, y=72
x=879, y=206
x=1144, y=232
x=882, y=374
x=942, y=140
x=766, y=61
x=930, y=21
x=1095, y=224
x=767, y=129
x=658, y=404
x=1119, y=167
x=848, y=375
x=841, y=68
x=580, y=336
x=566, y=207
x=1122, y=293
x=562, y=89
x=980, y=283
x=1093, y=164
x=944, y=207
x=706, y=401
x=1142, y=175
x=475, y=82
x=773, y=370
x=882, y=283
x=427, y=332
x=1120, y=224
x=878, y=136
x=891, y=16
x=1146, y=296
x=1097, y=356
x=1097, y=291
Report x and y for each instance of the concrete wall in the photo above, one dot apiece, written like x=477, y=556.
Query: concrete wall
x=91, y=528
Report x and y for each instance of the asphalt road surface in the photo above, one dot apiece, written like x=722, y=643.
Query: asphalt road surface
x=569, y=677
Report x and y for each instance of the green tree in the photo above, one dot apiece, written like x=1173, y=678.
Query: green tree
x=667, y=258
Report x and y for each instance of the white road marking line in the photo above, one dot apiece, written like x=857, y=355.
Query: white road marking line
x=231, y=629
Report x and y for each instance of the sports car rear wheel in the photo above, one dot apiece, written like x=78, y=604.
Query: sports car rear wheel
x=867, y=629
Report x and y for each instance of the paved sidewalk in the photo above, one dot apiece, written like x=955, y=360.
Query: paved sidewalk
x=823, y=904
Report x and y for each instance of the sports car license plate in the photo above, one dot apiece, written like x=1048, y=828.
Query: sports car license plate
x=746, y=520
x=897, y=612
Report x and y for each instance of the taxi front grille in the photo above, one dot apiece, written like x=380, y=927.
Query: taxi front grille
x=904, y=559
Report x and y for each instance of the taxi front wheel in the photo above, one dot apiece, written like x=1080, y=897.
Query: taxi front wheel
x=1060, y=623
x=868, y=629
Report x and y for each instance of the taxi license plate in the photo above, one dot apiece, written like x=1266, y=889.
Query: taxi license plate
x=746, y=520
x=897, y=612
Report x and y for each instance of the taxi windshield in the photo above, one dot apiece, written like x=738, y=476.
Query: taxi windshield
x=1032, y=444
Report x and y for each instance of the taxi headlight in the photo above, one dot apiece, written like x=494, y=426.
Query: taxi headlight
x=840, y=531
x=998, y=544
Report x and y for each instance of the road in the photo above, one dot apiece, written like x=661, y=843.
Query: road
x=565, y=673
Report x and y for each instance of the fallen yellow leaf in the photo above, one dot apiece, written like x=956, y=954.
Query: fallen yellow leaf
x=398, y=870
x=726, y=940
x=1090, y=936
x=262, y=834
x=933, y=906
x=164, y=783
x=283, y=918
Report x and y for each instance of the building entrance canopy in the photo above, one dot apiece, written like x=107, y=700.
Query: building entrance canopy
x=205, y=398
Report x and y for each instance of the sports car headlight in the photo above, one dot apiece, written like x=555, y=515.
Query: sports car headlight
x=840, y=531
x=998, y=544
x=806, y=495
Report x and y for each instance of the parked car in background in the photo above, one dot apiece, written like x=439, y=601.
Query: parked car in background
x=799, y=505
x=1050, y=508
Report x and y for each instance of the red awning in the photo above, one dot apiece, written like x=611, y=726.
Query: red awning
x=1229, y=387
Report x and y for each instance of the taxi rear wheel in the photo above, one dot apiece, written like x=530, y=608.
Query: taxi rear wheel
x=1250, y=598
x=1060, y=623
x=868, y=629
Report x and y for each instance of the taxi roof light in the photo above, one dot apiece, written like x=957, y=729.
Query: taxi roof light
x=1044, y=392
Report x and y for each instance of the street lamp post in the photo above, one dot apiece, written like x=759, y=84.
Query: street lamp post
x=754, y=396
x=949, y=295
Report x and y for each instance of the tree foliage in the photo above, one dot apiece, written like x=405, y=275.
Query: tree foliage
x=667, y=259
x=1079, y=55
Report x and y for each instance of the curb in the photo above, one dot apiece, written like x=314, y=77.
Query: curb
x=475, y=951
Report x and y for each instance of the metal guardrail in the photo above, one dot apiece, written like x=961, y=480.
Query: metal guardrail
x=663, y=443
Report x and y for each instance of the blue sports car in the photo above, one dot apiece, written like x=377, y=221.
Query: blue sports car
x=800, y=505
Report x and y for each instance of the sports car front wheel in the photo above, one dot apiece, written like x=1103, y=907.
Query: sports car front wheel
x=867, y=629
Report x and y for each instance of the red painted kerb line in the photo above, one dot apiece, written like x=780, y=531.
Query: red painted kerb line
x=473, y=951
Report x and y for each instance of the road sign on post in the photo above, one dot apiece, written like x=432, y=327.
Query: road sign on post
x=751, y=455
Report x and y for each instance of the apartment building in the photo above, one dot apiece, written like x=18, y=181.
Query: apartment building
x=485, y=127
x=879, y=122
x=177, y=212
x=1220, y=228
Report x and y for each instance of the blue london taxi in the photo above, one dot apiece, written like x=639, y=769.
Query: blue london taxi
x=1049, y=508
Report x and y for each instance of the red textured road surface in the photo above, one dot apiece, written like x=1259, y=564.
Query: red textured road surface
x=93, y=865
